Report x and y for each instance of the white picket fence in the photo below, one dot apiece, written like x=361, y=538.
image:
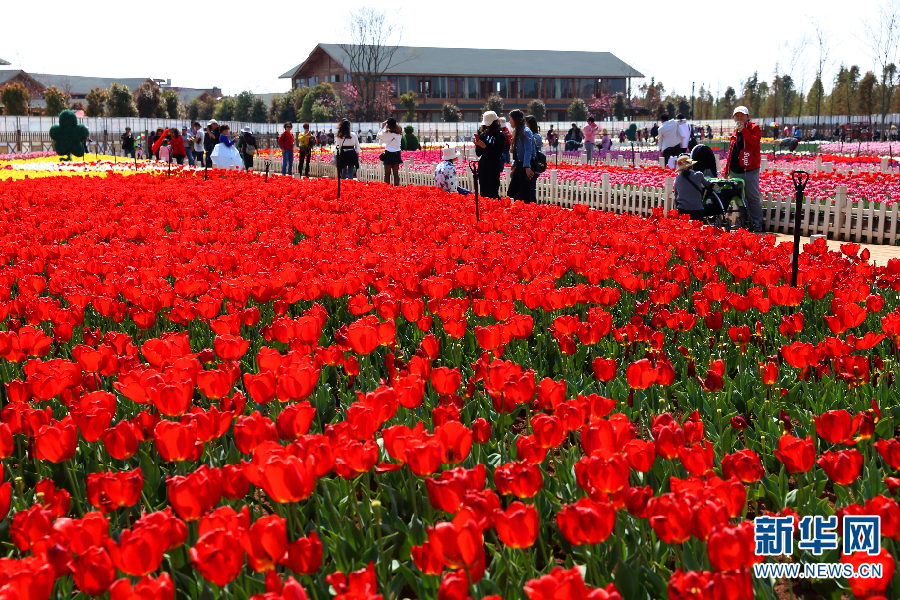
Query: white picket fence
x=837, y=218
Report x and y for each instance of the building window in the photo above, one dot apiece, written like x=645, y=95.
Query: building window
x=346, y=77
x=471, y=117
x=501, y=86
x=532, y=88
x=439, y=87
x=616, y=85
x=487, y=86
x=514, y=84
x=313, y=81
x=589, y=87
x=472, y=90
x=554, y=88
x=425, y=87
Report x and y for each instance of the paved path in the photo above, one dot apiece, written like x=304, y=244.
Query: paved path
x=878, y=254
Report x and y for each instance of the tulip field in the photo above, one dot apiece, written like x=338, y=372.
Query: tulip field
x=233, y=388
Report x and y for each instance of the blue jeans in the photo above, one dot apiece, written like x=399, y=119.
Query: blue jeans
x=190, y=156
x=589, y=148
x=287, y=162
x=347, y=173
x=128, y=151
x=463, y=191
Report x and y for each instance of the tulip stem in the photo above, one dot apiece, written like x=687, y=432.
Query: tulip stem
x=76, y=492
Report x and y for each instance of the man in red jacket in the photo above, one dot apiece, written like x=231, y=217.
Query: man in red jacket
x=743, y=163
x=286, y=143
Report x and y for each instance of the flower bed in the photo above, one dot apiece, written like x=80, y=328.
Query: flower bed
x=26, y=156
x=232, y=388
x=41, y=167
x=865, y=148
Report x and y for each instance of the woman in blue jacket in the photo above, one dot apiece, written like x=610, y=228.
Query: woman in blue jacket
x=522, y=152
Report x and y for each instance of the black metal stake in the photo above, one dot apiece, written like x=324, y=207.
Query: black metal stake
x=800, y=179
x=473, y=166
x=267, y=172
x=340, y=153
x=632, y=155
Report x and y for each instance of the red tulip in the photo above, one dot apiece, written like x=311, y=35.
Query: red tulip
x=743, y=464
x=218, y=556
x=586, y=522
x=641, y=455
x=866, y=587
x=797, y=455
x=890, y=452
x=732, y=547
x=518, y=526
x=192, y=496
x=265, y=543
x=697, y=459
x=836, y=426
x=138, y=552
x=460, y=545
x=304, y=555
x=93, y=571
x=454, y=586
x=427, y=560
x=842, y=467
x=670, y=515
x=56, y=443
x=147, y=588
x=520, y=479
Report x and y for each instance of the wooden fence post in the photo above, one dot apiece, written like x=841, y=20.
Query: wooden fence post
x=605, y=200
x=554, y=187
x=885, y=164
x=840, y=196
x=662, y=162
x=818, y=164
x=668, y=201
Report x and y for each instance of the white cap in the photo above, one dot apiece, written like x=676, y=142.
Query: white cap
x=246, y=129
x=741, y=109
x=488, y=118
x=213, y=122
x=450, y=153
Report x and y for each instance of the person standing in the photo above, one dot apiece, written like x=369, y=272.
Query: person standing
x=210, y=140
x=197, y=143
x=522, y=152
x=669, y=139
x=286, y=143
x=532, y=124
x=188, y=146
x=305, y=143
x=743, y=163
x=552, y=138
x=346, y=147
x=590, y=138
x=654, y=132
x=490, y=144
x=330, y=138
x=391, y=157
x=247, y=147
x=684, y=133
x=128, y=143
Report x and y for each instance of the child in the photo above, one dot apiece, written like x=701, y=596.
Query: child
x=689, y=186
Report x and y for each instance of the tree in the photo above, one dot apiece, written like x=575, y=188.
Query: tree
x=866, y=94
x=77, y=105
x=68, y=136
x=619, y=106
x=207, y=109
x=823, y=41
x=450, y=113
x=408, y=101
x=324, y=94
x=148, y=99
x=243, y=103
x=96, y=102
x=55, y=101
x=258, y=111
x=578, y=110
x=601, y=106
x=751, y=97
x=787, y=93
x=225, y=109
x=684, y=107
x=193, y=109
x=322, y=112
x=172, y=103
x=121, y=102
x=15, y=99
x=282, y=108
x=670, y=108
x=356, y=109
x=729, y=101
x=881, y=36
x=494, y=103
x=537, y=109
x=370, y=51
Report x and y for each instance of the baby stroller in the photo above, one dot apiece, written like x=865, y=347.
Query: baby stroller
x=705, y=159
x=724, y=205
x=789, y=143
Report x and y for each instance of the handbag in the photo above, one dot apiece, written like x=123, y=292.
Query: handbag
x=249, y=149
x=539, y=162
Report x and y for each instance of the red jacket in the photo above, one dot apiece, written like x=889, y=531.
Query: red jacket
x=286, y=140
x=177, y=142
x=749, y=157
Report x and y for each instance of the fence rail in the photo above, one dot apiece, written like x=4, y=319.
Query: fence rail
x=837, y=218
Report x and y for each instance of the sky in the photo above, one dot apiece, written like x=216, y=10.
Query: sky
x=717, y=46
